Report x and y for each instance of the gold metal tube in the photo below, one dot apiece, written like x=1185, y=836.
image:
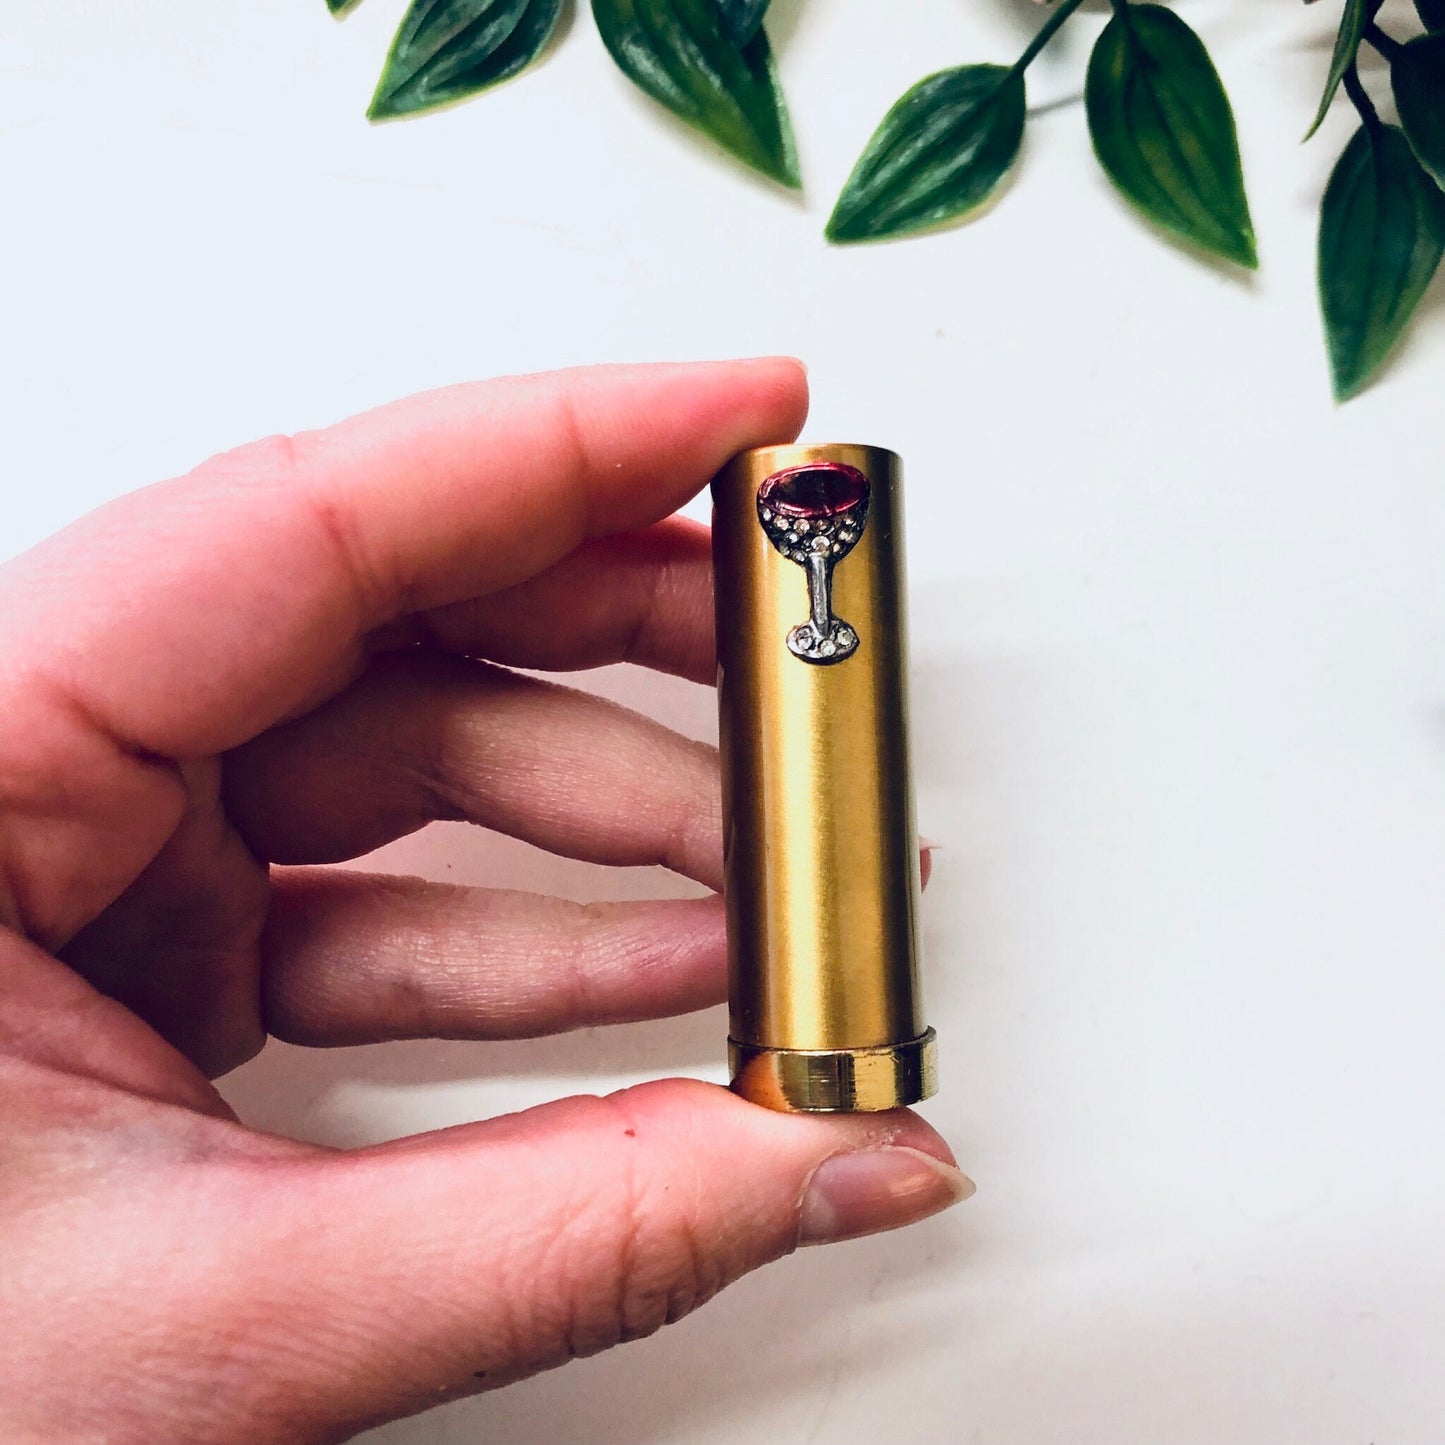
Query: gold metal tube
x=820, y=846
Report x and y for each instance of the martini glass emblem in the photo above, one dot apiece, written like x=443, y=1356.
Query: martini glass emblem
x=814, y=515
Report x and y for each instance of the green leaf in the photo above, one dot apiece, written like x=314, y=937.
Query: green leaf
x=1163, y=130
x=680, y=54
x=448, y=49
x=1417, y=74
x=1432, y=13
x=1382, y=231
x=1347, y=46
x=336, y=7
x=741, y=18
x=939, y=153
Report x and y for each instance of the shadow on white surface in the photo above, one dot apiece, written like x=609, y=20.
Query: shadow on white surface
x=933, y=1335
x=781, y=1349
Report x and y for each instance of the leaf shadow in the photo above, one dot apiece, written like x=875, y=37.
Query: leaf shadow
x=1026, y=16
x=1225, y=270
x=781, y=23
x=566, y=22
x=1311, y=36
x=1062, y=62
x=1059, y=102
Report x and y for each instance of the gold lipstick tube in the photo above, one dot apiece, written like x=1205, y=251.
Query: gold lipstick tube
x=821, y=853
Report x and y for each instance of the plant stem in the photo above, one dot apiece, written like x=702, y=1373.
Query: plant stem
x=1362, y=102
x=1046, y=33
x=1385, y=44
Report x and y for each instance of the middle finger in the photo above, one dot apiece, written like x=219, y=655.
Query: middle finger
x=422, y=737
x=643, y=597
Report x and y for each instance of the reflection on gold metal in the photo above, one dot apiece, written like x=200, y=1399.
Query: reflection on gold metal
x=819, y=837
x=836, y=1080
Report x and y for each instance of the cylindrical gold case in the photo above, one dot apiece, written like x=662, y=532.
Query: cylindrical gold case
x=821, y=853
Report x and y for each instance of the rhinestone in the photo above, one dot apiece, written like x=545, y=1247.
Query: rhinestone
x=845, y=637
x=827, y=647
x=801, y=524
x=767, y=515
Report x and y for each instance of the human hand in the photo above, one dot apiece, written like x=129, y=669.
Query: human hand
x=276, y=662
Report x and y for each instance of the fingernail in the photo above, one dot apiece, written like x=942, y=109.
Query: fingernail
x=870, y=1190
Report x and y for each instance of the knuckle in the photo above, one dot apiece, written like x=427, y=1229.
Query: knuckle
x=281, y=454
x=335, y=520
x=277, y=460
x=630, y=1258
x=295, y=468
x=663, y=1269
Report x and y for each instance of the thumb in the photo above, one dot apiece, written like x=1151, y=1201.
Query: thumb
x=448, y=1263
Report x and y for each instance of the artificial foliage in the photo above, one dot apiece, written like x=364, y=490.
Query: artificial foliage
x=1157, y=111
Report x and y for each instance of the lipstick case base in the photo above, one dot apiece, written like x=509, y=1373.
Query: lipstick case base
x=836, y=1081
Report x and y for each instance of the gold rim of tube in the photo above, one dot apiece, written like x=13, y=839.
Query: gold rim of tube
x=833, y=1081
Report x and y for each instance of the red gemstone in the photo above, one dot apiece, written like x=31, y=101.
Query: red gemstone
x=814, y=491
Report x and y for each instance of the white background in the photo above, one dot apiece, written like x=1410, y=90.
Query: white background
x=1180, y=672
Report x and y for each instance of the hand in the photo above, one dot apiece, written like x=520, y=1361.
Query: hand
x=285, y=659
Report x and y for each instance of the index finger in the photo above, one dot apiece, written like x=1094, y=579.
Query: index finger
x=186, y=618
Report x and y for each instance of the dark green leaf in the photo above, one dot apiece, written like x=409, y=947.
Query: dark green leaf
x=741, y=18
x=1418, y=76
x=1382, y=230
x=448, y=49
x=337, y=6
x=1432, y=13
x=1163, y=130
x=1347, y=46
x=938, y=154
x=679, y=53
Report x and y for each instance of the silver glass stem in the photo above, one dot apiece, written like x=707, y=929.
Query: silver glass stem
x=820, y=591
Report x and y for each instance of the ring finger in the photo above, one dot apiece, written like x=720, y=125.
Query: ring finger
x=353, y=958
